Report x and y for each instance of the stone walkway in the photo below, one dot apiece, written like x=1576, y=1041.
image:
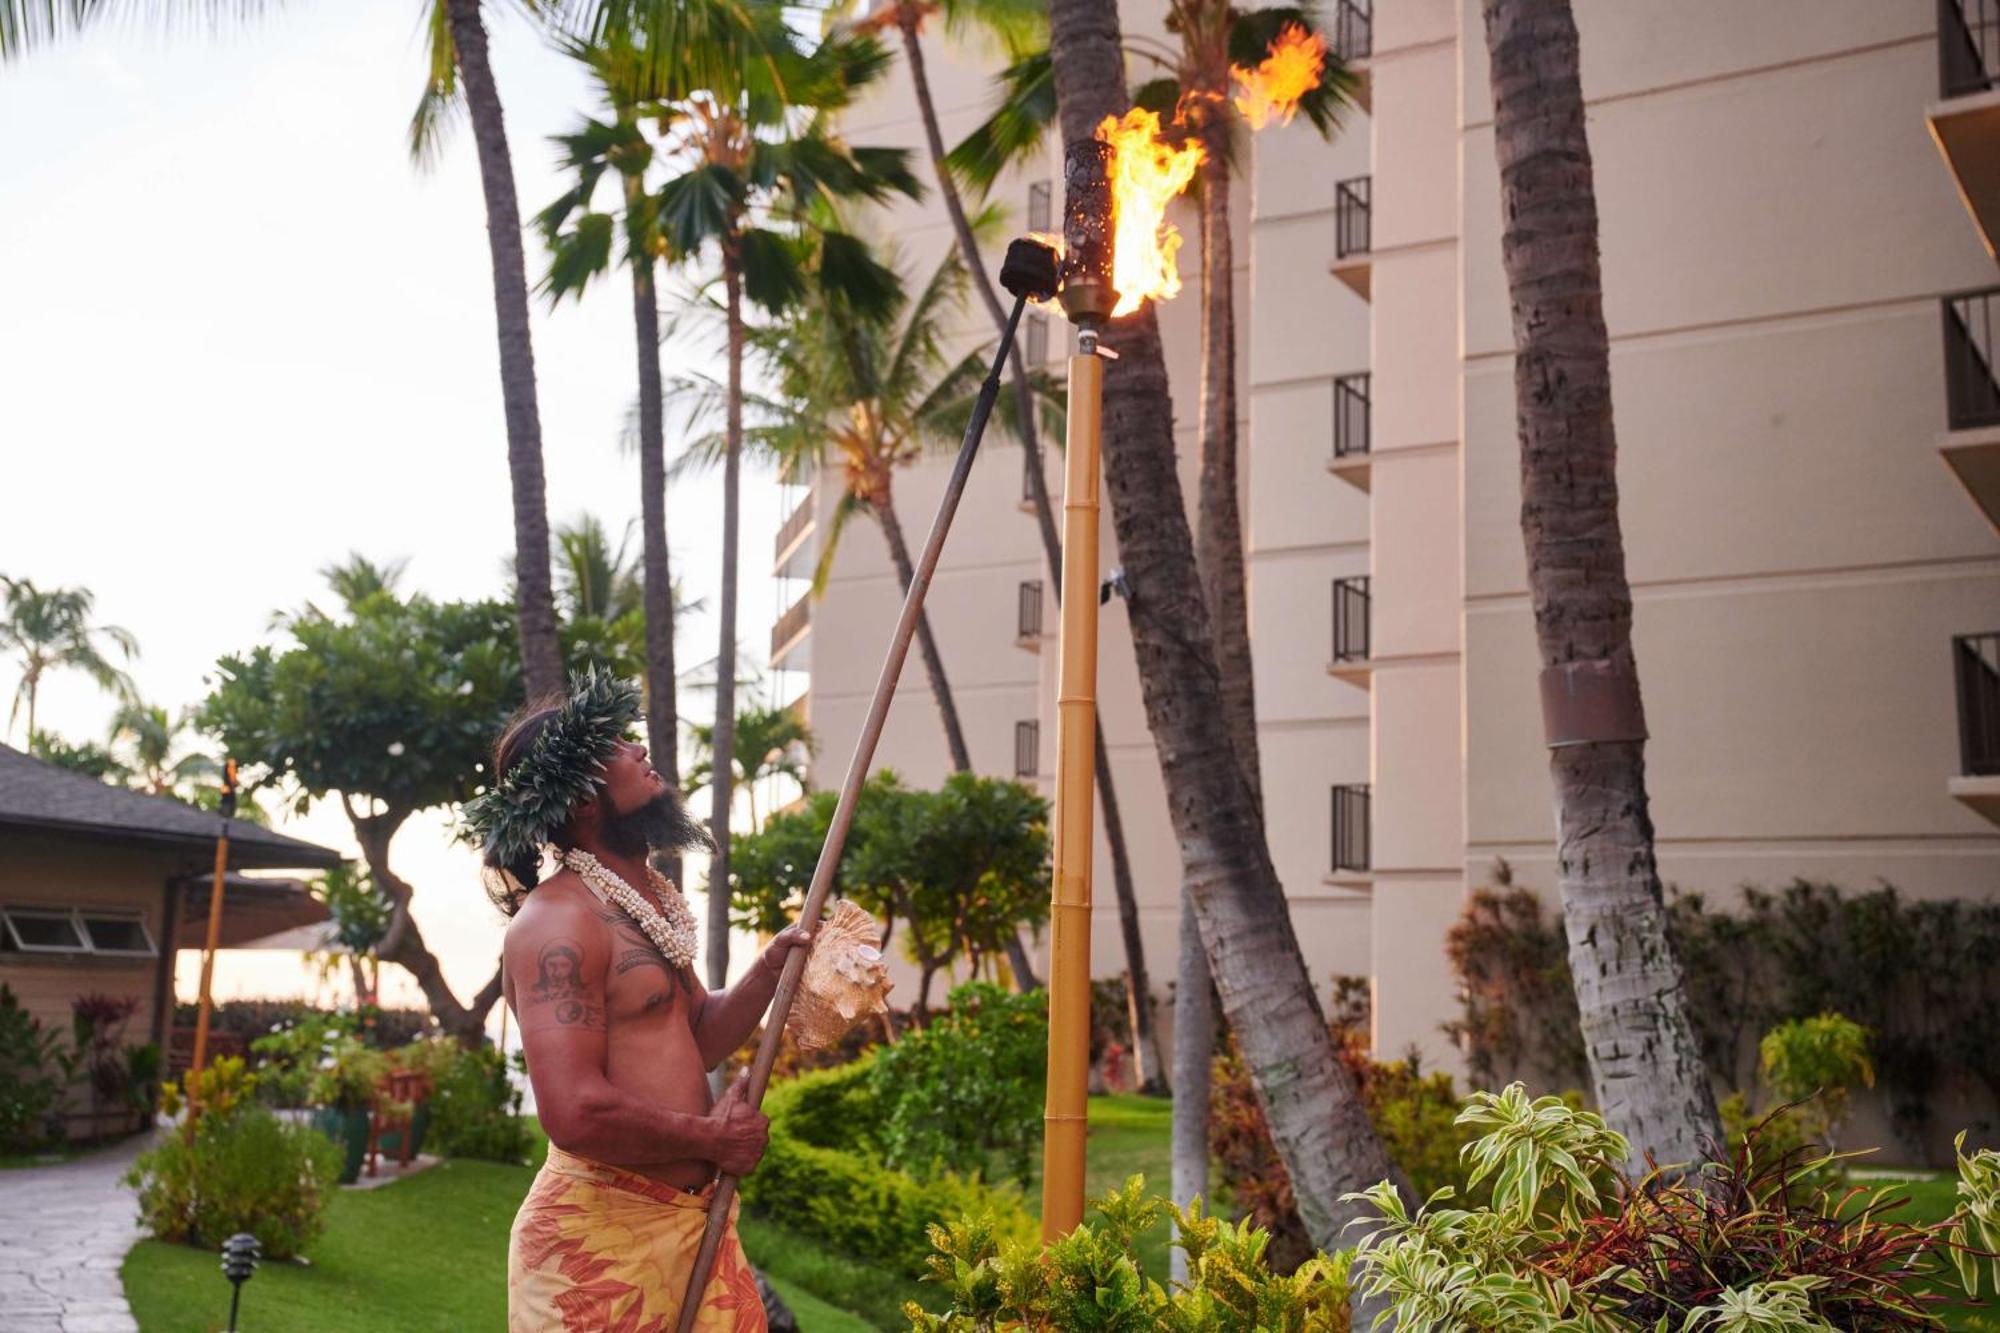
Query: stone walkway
x=64, y=1229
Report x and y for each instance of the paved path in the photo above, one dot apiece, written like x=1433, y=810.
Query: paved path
x=64, y=1230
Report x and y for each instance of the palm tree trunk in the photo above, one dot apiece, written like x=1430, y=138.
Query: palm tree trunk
x=1318, y=1124
x=723, y=743
x=541, y=653
x=906, y=573
x=1645, y=1062
x=1138, y=989
x=1194, y=1053
x=656, y=578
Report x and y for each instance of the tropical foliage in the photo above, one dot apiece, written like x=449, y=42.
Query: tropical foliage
x=56, y=630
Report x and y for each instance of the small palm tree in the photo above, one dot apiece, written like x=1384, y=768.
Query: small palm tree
x=28, y=25
x=150, y=744
x=53, y=631
x=771, y=742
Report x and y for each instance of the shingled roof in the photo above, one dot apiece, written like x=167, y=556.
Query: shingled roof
x=44, y=797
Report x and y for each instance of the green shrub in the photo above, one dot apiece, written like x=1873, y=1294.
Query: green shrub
x=243, y=1170
x=287, y=1059
x=31, y=1077
x=849, y=1199
x=969, y=1087
x=475, y=1109
x=1091, y=1279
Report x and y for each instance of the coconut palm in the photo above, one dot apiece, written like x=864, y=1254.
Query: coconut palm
x=53, y=631
x=1318, y=1123
x=771, y=742
x=1645, y=1061
x=757, y=178
x=28, y=25
x=150, y=743
x=580, y=248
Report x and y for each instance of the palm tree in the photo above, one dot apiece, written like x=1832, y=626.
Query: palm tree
x=758, y=177
x=462, y=74
x=28, y=25
x=580, y=250
x=1318, y=1123
x=1645, y=1062
x=53, y=631
x=147, y=739
x=1017, y=25
x=771, y=742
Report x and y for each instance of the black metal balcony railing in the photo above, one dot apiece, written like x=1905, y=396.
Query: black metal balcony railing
x=1027, y=477
x=1027, y=749
x=791, y=624
x=1968, y=46
x=1350, y=827
x=1350, y=416
x=794, y=525
x=1035, y=345
x=1350, y=619
x=1028, y=618
x=1971, y=390
x=1354, y=29
x=1975, y=660
x=1351, y=216
x=1040, y=207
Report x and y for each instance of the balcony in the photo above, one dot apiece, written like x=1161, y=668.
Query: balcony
x=1965, y=120
x=1027, y=749
x=1028, y=616
x=1353, y=31
x=789, y=635
x=1353, y=233
x=791, y=548
x=1971, y=442
x=1035, y=341
x=1350, y=830
x=1028, y=485
x=1975, y=663
x=1351, y=417
x=1351, y=604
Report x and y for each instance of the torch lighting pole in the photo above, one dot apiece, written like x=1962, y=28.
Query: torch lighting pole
x=1087, y=297
x=203, y=1001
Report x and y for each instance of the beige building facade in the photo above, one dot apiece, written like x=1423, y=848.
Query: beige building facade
x=1808, y=496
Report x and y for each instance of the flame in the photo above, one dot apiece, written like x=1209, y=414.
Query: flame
x=1145, y=175
x=1289, y=71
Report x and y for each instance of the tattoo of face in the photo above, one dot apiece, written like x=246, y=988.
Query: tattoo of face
x=558, y=971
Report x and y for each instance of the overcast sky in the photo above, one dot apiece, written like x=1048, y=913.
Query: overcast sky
x=241, y=336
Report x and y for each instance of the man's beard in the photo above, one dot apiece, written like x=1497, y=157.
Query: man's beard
x=660, y=825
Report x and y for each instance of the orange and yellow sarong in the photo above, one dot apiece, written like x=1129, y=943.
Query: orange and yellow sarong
x=599, y=1249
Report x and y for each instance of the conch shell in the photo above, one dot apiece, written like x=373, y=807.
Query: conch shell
x=845, y=978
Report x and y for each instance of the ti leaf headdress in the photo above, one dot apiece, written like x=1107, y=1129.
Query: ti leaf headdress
x=529, y=803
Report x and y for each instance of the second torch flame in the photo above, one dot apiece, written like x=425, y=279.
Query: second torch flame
x=1148, y=171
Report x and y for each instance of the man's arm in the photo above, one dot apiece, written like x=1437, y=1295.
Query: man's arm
x=557, y=965
x=723, y=1022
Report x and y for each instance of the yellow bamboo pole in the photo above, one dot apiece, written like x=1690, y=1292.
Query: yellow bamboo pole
x=1076, y=759
x=204, y=1000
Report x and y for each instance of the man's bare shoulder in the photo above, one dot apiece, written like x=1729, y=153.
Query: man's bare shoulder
x=559, y=907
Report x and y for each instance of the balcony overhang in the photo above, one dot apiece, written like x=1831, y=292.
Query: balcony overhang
x=1974, y=458
x=1356, y=671
x=1967, y=131
x=1354, y=469
x=1979, y=795
x=1358, y=272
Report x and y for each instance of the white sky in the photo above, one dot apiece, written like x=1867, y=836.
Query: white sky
x=242, y=336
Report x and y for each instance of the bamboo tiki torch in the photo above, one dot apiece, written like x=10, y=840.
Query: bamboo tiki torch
x=203, y=1000
x=1029, y=273
x=1087, y=297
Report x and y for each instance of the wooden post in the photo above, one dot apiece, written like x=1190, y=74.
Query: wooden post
x=204, y=1001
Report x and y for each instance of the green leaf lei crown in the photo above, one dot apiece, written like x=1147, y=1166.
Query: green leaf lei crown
x=527, y=805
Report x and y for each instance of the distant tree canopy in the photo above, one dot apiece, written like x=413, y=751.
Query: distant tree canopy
x=952, y=872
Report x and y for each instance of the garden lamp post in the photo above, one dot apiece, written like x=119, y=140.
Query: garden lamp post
x=239, y=1262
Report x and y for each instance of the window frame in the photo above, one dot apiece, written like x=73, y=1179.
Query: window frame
x=86, y=945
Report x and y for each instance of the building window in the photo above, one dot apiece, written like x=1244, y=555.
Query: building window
x=1036, y=349
x=1027, y=749
x=1350, y=827
x=1028, y=618
x=104, y=933
x=1350, y=619
x=1350, y=415
x=1352, y=204
x=1040, y=209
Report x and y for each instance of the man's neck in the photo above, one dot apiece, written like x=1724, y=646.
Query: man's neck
x=631, y=869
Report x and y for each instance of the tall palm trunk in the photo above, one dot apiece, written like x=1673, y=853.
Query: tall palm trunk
x=722, y=779
x=1318, y=1124
x=954, y=735
x=535, y=601
x=656, y=578
x=1645, y=1063
x=1138, y=987
x=1194, y=1055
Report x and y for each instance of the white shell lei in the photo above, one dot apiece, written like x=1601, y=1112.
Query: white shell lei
x=673, y=933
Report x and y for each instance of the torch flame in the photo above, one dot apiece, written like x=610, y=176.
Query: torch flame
x=1291, y=69
x=1145, y=175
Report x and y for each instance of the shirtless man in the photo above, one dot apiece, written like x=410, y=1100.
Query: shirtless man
x=619, y=1034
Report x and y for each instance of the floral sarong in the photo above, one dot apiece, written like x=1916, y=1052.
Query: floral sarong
x=599, y=1249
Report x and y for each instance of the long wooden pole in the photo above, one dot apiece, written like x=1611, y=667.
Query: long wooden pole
x=843, y=813
x=204, y=1001
x=1076, y=760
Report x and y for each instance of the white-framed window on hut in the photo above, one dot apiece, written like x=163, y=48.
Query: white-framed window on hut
x=99, y=932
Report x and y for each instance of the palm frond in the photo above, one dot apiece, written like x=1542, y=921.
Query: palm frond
x=1023, y=110
x=441, y=100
